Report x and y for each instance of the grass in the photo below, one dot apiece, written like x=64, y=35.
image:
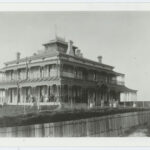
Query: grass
x=15, y=110
x=61, y=115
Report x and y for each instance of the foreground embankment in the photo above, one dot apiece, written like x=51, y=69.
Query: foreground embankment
x=109, y=123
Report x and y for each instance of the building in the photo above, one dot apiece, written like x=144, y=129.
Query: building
x=61, y=75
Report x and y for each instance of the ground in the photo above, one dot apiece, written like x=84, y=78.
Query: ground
x=140, y=131
x=38, y=117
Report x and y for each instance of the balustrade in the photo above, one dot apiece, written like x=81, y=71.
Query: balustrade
x=52, y=71
x=30, y=73
x=116, y=82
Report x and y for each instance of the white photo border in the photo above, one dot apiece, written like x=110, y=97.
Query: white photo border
x=74, y=142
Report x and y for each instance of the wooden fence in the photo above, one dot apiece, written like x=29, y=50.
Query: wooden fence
x=112, y=125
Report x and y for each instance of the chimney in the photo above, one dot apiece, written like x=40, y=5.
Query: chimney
x=70, y=48
x=81, y=55
x=18, y=56
x=78, y=52
x=100, y=59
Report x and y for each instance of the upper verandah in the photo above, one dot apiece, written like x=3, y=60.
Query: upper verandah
x=58, y=47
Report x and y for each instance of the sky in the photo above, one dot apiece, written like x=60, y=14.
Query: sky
x=122, y=38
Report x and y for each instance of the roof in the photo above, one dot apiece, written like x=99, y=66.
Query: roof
x=92, y=62
x=57, y=39
x=47, y=54
x=122, y=88
x=34, y=57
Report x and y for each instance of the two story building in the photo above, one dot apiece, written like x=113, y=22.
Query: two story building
x=61, y=75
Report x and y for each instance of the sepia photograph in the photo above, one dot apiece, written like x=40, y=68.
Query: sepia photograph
x=74, y=74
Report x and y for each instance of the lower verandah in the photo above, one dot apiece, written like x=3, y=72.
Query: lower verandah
x=64, y=94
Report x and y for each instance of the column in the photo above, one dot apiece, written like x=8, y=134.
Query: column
x=23, y=91
x=70, y=95
x=27, y=73
x=10, y=95
x=88, y=95
x=6, y=96
x=1, y=96
x=82, y=95
x=57, y=93
x=94, y=97
x=18, y=94
x=109, y=98
x=74, y=94
x=58, y=67
x=97, y=97
x=21, y=95
x=48, y=93
x=38, y=96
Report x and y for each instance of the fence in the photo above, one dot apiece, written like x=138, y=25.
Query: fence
x=111, y=125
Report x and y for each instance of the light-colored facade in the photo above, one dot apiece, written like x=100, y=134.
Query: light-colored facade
x=61, y=75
